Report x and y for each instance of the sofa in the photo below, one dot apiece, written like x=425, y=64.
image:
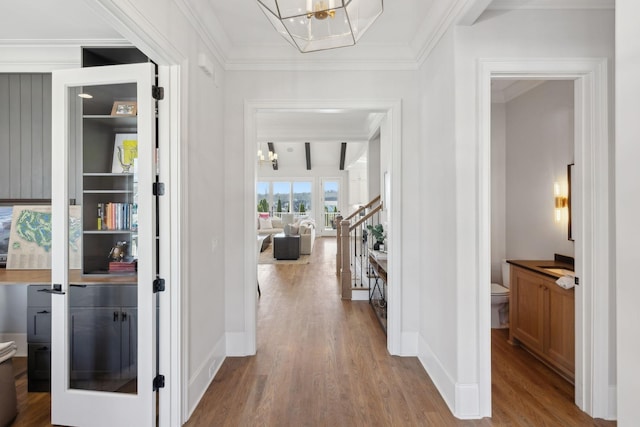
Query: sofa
x=307, y=231
x=268, y=225
x=305, y=227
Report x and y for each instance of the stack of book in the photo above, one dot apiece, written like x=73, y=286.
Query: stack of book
x=123, y=266
x=117, y=216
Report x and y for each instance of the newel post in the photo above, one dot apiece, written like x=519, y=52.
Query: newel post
x=345, y=276
x=337, y=220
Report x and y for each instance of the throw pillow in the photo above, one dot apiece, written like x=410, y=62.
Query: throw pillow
x=265, y=224
x=276, y=222
x=294, y=229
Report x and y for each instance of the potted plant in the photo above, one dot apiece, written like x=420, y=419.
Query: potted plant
x=378, y=233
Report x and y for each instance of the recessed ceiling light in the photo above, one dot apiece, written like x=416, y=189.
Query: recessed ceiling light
x=85, y=95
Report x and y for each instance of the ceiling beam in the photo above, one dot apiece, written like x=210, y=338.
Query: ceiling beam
x=343, y=154
x=307, y=151
x=275, y=162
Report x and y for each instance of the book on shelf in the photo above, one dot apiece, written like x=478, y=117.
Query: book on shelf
x=117, y=216
x=123, y=266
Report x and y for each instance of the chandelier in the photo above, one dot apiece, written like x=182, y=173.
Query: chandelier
x=311, y=25
x=273, y=158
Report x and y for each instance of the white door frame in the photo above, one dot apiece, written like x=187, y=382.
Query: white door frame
x=135, y=27
x=391, y=141
x=593, y=195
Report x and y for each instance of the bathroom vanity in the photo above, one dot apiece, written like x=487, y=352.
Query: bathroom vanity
x=542, y=314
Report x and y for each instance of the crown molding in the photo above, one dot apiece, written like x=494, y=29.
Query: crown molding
x=28, y=43
x=442, y=17
x=277, y=64
x=209, y=29
x=551, y=4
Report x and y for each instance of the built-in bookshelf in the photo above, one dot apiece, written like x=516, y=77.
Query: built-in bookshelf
x=109, y=202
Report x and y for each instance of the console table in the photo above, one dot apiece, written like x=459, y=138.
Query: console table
x=378, y=293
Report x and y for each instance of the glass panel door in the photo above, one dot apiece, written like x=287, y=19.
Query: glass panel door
x=330, y=204
x=103, y=329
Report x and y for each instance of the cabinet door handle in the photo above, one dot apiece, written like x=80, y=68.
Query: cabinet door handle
x=116, y=316
x=124, y=316
x=57, y=290
x=43, y=312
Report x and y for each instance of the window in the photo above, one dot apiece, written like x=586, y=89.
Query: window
x=302, y=197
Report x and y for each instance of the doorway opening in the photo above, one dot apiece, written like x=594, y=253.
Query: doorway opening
x=390, y=143
x=532, y=142
x=591, y=229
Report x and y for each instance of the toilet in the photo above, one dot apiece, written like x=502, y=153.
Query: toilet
x=500, y=300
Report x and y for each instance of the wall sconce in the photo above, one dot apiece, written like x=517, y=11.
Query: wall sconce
x=560, y=201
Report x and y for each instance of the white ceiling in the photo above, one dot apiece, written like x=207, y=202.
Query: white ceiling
x=240, y=36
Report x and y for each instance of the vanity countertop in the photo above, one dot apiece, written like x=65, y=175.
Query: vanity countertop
x=543, y=266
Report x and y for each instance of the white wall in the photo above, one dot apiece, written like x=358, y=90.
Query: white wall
x=498, y=190
x=436, y=228
x=373, y=168
x=342, y=86
x=539, y=134
x=627, y=208
x=449, y=308
x=203, y=184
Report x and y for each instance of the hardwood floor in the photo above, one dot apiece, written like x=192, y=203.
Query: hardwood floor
x=322, y=361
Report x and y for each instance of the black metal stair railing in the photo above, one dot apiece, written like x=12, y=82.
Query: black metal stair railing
x=354, y=240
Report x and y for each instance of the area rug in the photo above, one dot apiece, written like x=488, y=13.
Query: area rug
x=266, y=257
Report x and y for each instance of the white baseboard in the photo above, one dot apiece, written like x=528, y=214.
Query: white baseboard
x=438, y=374
x=409, y=344
x=21, y=342
x=236, y=344
x=613, y=403
x=467, y=401
x=205, y=373
x=463, y=400
x=360, y=294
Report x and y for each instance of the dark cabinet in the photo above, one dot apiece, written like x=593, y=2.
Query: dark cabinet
x=38, y=338
x=103, y=337
x=103, y=327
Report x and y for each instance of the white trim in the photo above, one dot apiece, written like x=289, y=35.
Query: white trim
x=438, y=373
x=390, y=137
x=124, y=17
x=202, y=378
x=170, y=249
x=184, y=274
x=551, y=4
x=592, y=240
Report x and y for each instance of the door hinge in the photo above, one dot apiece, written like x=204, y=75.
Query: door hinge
x=158, y=189
x=157, y=92
x=158, y=285
x=158, y=382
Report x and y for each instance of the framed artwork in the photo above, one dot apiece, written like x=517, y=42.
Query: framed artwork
x=125, y=151
x=6, y=215
x=124, y=108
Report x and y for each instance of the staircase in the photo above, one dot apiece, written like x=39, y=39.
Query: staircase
x=354, y=241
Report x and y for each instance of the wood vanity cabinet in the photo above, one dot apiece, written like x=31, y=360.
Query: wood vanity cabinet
x=542, y=319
